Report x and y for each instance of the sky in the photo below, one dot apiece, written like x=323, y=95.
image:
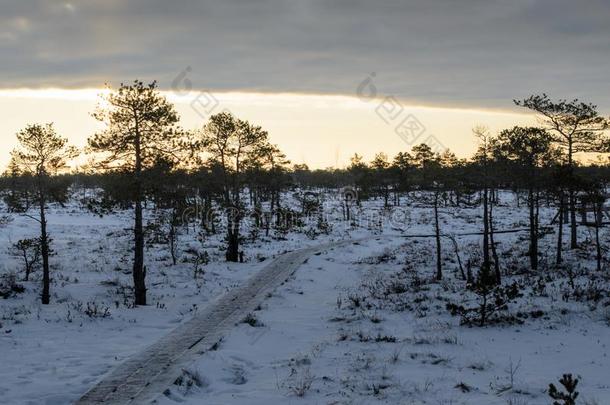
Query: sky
x=306, y=69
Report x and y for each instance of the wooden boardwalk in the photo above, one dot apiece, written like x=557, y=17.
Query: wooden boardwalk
x=144, y=376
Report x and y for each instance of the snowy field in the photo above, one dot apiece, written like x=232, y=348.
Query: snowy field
x=366, y=323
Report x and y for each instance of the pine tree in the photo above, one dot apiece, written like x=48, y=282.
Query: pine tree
x=232, y=143
x=569, y=396
x=140, y=128
x=575, y=127
x=525, y=152
x=42, y=153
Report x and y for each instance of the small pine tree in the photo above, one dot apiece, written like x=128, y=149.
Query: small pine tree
x=569, y=396
x=41, y=154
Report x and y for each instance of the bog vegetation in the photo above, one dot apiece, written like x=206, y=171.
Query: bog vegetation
x=229, y=171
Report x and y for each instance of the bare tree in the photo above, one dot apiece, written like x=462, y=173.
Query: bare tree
x=29, y=251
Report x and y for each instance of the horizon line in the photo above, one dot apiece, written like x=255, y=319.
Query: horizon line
x=93, y=93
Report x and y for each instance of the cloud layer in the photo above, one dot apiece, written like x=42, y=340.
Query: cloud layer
x=445, y=52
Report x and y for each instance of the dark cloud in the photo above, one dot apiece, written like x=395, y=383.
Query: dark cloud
x=469, y=52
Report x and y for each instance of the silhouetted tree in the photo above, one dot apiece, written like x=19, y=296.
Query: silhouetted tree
x=379, y=166
x=18, y=186
x=42, y=153
x=232, y=142
x=526, y=151
x=483, y=158
x=401, y=168
x=575, y=127
x=140, y=128
x=360, y=177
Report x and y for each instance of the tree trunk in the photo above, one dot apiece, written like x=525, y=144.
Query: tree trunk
x=280, y=217
x=211, y=216
x=572, y=199
x=139, y=273
x=459, y=259
x=347, y=215
x=268, y=216
x=437, y=233
x=173, y=234
x=27, y=265
x=486, y=261
x=494, y=252
x=233, y=218
x=232, y=246
x=598, y=223
x=386, y=195
x=536, y=228
x=558, y=258
x=207, y=214
x=44, y=248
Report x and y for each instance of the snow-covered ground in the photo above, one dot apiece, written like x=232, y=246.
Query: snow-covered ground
x=330, y=335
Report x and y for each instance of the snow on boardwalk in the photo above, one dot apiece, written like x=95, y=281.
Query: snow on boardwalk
x=147, y=374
